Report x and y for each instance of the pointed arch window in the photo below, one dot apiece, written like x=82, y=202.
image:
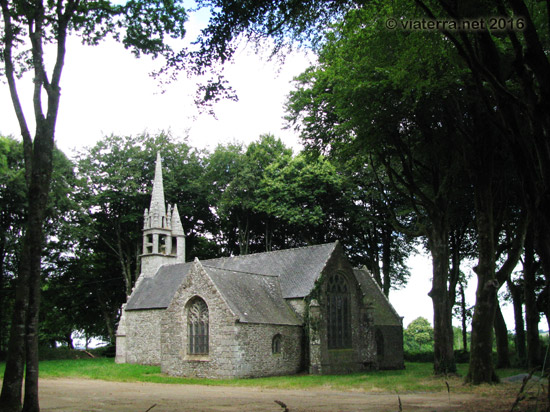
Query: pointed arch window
x=338, y=313
x=276, y=344
x=197, y=327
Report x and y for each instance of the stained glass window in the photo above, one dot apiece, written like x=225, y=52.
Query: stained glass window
x=338, y=313
x=197, y=327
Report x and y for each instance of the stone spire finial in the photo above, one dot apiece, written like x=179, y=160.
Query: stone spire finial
x=177, y=228
x=157, y=197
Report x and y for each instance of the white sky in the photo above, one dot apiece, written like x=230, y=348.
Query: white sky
x=106, y=90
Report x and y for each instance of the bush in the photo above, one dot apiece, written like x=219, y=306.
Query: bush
x=62, y=353
x=108, y=351
x=48, y=353
x=424, y=356
x=428, y=356
x=462, y=356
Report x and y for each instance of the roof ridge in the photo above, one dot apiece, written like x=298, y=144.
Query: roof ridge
x=240, y=271
x=274, y=251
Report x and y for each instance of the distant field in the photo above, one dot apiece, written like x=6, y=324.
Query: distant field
x=415, y=377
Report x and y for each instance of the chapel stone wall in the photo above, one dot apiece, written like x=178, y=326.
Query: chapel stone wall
x=255, y=357
x=220, y=362
x=143, y=336
x=390, y=347
x=362, y=354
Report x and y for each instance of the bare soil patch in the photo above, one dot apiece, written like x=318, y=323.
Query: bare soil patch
x=70, y=395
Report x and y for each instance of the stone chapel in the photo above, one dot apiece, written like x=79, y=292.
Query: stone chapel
x=273, y=313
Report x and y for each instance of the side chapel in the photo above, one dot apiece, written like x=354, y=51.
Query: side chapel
x=273, y=313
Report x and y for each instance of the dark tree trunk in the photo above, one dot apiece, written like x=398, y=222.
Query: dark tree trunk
x=3, y=291
x=444, y=361
x=517, y=300
x=107, y=316
x=531, y=309
x=10, y=399
x=386, y=260
x=501, y=335
x=244, y=236
x=481, y=368
x=69, y=340
x=464, y=316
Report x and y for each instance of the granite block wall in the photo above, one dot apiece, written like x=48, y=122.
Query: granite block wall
x=221, y=359
x=143, y=336
x=255, y=357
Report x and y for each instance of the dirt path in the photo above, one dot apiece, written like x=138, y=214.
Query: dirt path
x=71, y=395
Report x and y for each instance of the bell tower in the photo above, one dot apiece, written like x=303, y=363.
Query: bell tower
x=163, y=237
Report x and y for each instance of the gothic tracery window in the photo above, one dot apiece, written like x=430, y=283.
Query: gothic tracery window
x=197, y=327
x=338, y=313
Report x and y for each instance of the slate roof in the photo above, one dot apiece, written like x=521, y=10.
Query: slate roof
x=297, y=268
x=296, y=271
x=253, y=298
x=157, y=292
x=384, y=313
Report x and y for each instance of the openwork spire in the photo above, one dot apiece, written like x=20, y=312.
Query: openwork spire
x=163, y=234
x=157, y=211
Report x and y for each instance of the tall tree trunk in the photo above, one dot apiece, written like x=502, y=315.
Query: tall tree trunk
x=10, y=398
x=501, y=335
x=531, y=309
x=386, y=259
x=464, y=315
x=244, y=236
x=444, y=361
x=3, y=291
x=517, y=300
x=107, y=315
x=481, y=368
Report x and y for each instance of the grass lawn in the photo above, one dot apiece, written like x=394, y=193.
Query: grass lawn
x=415, y=377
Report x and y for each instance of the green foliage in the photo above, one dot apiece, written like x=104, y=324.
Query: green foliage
x=245, y=228
x=12, y=208
x=419, y=333
x=61, y=213
x=304, y=193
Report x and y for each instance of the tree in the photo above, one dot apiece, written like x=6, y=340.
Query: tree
x=59, y=216
x=306, y=195
x=518, y=100
x=12, y=208
x=28, y=30
x=237, y=204
x=421, y=332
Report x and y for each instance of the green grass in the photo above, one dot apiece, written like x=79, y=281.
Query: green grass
x=415, y=377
